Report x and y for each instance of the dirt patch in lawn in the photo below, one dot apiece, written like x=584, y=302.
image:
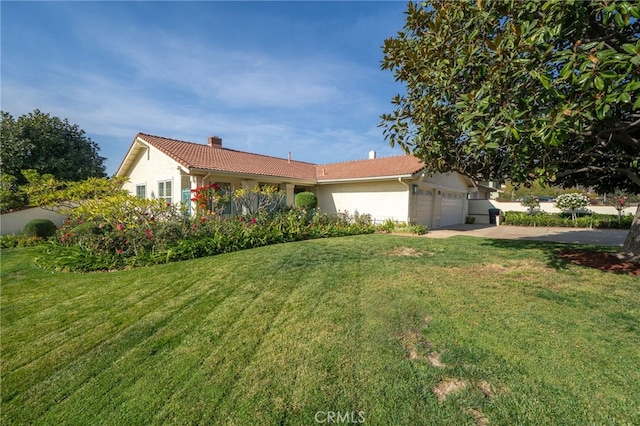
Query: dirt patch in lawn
x=608, y=262
x=405, y=251
x=485, y=388
x=414, y=343
x=447, y=387
x=480, y=419
x=434, y=359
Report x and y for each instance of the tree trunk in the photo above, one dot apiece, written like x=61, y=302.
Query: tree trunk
x=631, y=245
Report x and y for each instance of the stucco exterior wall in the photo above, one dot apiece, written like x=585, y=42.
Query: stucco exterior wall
x=151, y=167
x=381, y=199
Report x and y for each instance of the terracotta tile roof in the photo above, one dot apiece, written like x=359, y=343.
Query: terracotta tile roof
x=400, y=165
x=200, y=156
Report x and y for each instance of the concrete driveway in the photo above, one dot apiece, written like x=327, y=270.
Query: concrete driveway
x=604, y=237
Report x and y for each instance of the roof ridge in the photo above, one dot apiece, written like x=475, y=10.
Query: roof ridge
x=227, y=149
x=368, y=159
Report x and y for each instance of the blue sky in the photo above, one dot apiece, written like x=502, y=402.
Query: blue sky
x=267, y=77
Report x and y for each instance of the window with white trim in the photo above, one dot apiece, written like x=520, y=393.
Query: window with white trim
x=141, y=191
x=164, y=190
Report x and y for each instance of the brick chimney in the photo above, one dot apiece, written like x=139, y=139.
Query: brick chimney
x=215, y=142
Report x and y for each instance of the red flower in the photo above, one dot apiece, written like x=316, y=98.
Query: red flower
x=120, y=227
x=254, y=220
x=149, y=234
x=119, y=251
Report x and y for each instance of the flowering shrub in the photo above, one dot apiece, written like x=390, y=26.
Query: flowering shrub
x=98, y=244
x=123, y=225
x=620, y=203
x=108, y=228
x=210, y=199
x=571, y=202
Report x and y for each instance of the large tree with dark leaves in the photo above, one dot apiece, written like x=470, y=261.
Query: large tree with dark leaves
x=48, y=145
x=521, y=90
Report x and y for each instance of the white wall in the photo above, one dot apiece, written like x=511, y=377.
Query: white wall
x=13, y=223
x=480, y=209
x=151, y=167
x=382, y=200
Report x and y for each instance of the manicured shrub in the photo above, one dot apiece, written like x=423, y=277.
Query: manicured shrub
x=41, y=228
x=582, y=220
x=306, y=200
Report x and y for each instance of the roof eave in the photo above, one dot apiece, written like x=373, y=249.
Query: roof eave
x=244, y=175
x=129, y=158
x=361, y=179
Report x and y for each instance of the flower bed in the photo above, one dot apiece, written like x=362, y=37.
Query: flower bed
x=100, y=245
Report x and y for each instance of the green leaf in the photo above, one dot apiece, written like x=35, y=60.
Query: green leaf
x=636, y=104
x=625, y=97
x=629, y=48
x=599, y=83
x=566, y=71
x=546, y=82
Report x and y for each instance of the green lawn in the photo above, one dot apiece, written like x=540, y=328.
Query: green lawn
x=376, y=327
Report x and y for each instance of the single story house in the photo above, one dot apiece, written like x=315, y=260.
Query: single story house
x=394, y=188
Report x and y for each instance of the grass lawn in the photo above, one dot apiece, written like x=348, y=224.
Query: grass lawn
x=385, y=329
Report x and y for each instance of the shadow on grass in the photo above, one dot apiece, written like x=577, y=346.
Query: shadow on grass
x=552, y=251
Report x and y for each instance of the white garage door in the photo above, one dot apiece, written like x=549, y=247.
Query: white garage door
x=451, y=209
x=424, y=207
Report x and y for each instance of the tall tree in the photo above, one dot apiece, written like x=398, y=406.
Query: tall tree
x=48, y=145
x=521, y=90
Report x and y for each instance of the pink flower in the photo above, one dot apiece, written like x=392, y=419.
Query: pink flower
x=119, y=251
x=254, y=220
x=149, y=234
x=120, y=227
